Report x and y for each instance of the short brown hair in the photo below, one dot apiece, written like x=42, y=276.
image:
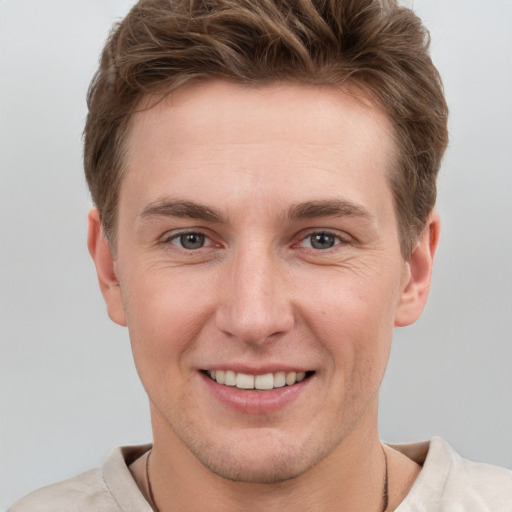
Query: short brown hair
x=376, y=45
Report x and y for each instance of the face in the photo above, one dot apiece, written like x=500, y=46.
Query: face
x=258, y=269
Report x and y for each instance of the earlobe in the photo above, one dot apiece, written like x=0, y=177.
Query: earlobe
x=104, y=260
x=417, y=280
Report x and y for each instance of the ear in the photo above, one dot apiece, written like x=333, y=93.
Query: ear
x=418, y=274
x=101, y=253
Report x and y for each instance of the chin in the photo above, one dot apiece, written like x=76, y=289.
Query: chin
x=271, y=471
x=268, y=462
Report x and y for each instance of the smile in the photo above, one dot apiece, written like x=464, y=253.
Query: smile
x=260, y=382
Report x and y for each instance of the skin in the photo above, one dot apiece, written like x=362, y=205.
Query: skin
x=258, y=171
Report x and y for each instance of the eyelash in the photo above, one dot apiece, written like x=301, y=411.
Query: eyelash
x=337, y=240
x=177, y=240
x=179, y=236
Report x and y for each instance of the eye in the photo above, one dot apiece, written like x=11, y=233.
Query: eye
x=321, y=241
x=189, y=241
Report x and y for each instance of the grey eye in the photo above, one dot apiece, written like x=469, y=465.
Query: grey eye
x=191, y=240
x=322, y=240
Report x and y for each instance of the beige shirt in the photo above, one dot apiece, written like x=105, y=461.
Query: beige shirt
x=447, y=483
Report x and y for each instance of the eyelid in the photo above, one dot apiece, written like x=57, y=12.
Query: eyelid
x=342, y=238
x=170, y=236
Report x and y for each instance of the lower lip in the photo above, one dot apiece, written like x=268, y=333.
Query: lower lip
x=253, y=401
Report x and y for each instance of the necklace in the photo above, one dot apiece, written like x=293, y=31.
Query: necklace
x=148, y=482
x=385, y=490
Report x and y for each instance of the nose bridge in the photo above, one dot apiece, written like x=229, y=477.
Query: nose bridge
x=255, y=305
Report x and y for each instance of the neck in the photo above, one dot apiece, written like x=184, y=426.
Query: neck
x=350, y=478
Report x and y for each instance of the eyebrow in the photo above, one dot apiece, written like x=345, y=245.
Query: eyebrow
x=300, y=211
x=327, y=208
x=183, y=209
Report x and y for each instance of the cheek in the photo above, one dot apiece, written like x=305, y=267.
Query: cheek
x=350, y=305
x=353, y=318
x=165, y=317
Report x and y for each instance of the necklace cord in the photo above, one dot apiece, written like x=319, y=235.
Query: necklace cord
x=148, y=481
x=385, y=491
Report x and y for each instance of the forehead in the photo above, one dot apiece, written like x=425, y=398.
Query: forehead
x=246, y=136
x=241, y=111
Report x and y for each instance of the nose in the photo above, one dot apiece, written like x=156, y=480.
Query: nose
x=255, y=305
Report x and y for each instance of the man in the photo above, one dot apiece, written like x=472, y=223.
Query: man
x=264, y=181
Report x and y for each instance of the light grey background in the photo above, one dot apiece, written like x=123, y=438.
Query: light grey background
x=69, y=392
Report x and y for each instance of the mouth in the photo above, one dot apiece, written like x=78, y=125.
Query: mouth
x=261, y=382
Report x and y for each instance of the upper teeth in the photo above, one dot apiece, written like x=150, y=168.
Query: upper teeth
x=265, y=381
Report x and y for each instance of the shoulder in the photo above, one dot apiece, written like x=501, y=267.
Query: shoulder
x=473, y=484
x=450, y=482
x=110, y=488
x=87, y=491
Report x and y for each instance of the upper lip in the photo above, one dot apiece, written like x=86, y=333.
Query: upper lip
x=257, y=370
